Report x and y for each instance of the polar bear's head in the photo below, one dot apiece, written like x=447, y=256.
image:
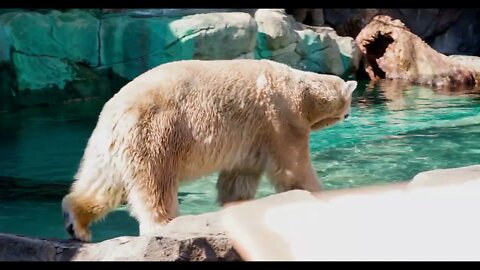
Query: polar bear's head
x=328, y=100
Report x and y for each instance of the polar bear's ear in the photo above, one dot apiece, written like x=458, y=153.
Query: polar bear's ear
x=349, y=87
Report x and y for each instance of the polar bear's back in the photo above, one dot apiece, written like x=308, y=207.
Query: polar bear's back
x=197, y=87
x=177, y=76
x=211, y=103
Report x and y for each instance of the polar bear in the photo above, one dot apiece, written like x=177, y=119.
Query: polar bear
x=186, y=119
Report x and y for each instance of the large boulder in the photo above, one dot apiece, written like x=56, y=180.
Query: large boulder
x=276, y=30
x=392, y=51
x=323, y=51
x=71, y=35
x=130, y=46
x=317, y=49
x=52, y=57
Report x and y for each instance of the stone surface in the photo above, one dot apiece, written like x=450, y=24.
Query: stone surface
x=467, y=60
x=173, y=12
x=203, y=248
x=41, y=72
x=5, y=36
x=368, y=223
x=186, y=238
x=15, y=248
x=392, y=51
x=131, y=46
x=323, y=51
x=50, y=56
x=275, y=30
x=71, y=35
x=317, y=49
x=446, y=176
x=8, y=83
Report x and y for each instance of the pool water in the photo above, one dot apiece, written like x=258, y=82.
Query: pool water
x=395, y=131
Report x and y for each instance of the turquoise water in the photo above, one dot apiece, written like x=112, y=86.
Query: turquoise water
x=395, y=131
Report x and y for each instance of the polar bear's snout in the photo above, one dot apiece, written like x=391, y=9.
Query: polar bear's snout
x=68, y=224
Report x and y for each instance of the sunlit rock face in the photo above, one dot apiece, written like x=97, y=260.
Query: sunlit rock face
x=392, y=51
x=51, y=56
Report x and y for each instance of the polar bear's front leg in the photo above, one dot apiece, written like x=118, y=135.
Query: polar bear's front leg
x=290, y=167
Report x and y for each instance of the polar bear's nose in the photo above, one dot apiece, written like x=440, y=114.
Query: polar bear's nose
x=346, y=116
x=70, y=230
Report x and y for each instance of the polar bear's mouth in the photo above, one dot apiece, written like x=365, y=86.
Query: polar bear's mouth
x=324, y=123
x=376, y=47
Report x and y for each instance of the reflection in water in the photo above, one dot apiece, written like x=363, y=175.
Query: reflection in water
x=395, y=131
x=395, y=93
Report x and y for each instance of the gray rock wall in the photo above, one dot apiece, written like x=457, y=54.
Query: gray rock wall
x=52, y=56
